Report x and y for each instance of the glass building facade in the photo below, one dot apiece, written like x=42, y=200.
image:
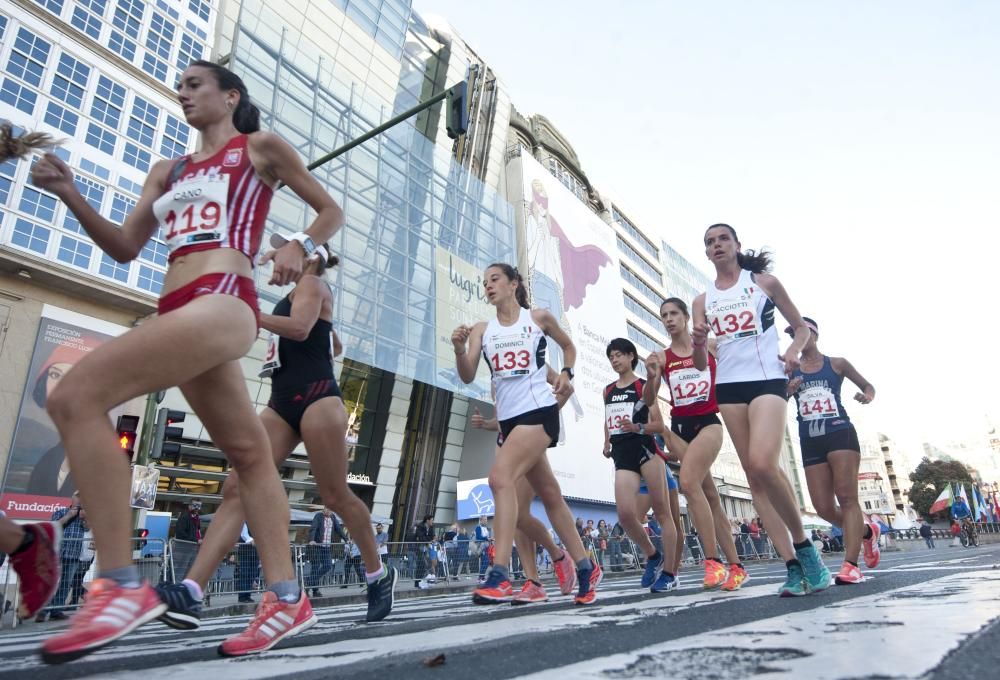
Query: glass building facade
x=403, y=192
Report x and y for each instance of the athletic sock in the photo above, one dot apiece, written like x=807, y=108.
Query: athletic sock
x=868, y=532
x=585, y=564
x=374, y=576
x=126, y=577
x=853, y=564
x=804, y=545
x=793, y=563
x=502, y=570
x=287, y=591
x=194, y=589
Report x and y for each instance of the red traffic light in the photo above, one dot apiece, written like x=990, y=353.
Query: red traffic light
x=127, y=433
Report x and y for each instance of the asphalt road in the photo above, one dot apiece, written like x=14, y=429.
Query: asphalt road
x=927, y=614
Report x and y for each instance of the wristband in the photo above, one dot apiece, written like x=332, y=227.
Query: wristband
x=699, y=344
x=642, y=428
x=458, y=354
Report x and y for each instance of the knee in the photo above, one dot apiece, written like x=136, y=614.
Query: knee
x=847, y=497
x=500, y=483
x=231, y=488
x=760, y=471
x=689, y=480
x=246, y=450
x=825, y=507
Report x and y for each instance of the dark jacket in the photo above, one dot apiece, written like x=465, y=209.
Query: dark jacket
x=316, y=529
x=424, y=533
x=187, y=529
x=925, y=530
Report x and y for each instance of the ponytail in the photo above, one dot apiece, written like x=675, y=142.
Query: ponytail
x=757, y=262
x=21, y=145
x=246, y=116
x=521, y=293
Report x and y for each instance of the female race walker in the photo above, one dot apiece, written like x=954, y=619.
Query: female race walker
x=831, y=452
x=695, y=438
x=634, y=453
x=644, y=503
x=305, y=405
x=750, y=388
x=531, y=533
x=211, y=207
x=514, y=345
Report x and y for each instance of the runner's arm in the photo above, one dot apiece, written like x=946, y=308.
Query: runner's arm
x=846, y=369
x=468, y=345
x=655, y=363
x=306, y=306
x=699, y=333
x=772, y=286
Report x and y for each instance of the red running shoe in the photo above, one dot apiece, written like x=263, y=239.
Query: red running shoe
x=871, y=550
x=273, y=621
x=566, y=573
x=38, y=568
x=109, y=612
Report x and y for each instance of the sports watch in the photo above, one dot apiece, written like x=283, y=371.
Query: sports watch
x=305, y=241
x=568, y=371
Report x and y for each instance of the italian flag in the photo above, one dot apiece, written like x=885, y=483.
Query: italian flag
x=943, y=501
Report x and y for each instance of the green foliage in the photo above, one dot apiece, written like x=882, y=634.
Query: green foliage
x=930, y=479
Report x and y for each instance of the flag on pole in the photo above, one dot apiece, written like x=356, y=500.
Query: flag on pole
x=983, y=510
x=943, y=501
x=974, y=505
x=964, y=497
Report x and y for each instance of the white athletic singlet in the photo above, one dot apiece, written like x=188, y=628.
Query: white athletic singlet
x=516, y=357
x=742, y=319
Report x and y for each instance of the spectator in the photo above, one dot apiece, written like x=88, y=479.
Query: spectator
x=86, y=559
x=745, y=545
x=462, y=551
x=247, y=565
x=321, y=534
x=69, y=554
x=603, y=534
x=424, y=534
x=615, y=547
x=187, y=535
x=927, y=534
x=836, y=539
x=580, y=529
x=482, y=544
x=354, y=563
x=755, y=536
x=382, y=543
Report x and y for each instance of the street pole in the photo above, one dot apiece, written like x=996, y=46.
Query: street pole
x=145, y=446
x=392, y=122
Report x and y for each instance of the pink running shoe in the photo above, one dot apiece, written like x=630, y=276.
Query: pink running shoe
x=566, y=573
x=273, y=621
x=109, y=612
x=871, y=549
x=531, y=592
x=38, y=568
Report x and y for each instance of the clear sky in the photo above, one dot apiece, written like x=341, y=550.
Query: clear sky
x=858, y=140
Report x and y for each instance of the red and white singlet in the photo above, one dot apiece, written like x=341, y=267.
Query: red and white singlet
x=692, y=392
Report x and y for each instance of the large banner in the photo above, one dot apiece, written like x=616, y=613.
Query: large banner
x=474, y=499
x=37, y=480
x=461, y=299
x=573, y=272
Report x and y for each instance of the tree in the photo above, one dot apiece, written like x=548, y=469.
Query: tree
x=930, y=479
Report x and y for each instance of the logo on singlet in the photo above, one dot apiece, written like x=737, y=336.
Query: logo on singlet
x=621, y=397
x=233, y=158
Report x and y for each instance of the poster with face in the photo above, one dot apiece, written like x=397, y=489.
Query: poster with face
x=38, y=480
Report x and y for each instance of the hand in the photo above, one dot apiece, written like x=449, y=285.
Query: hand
x=477, y=419
x=459, y=337
x=288, y=261
x=52, y=174
x=629, y=426
x=607, y=450
x=863, y=398
x=699, y=333
x=562, y=387
x=793, y=385
x=791, y=361
x=653, y=365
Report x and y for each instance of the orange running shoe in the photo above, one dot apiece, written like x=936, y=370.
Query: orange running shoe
x=566, y=573
x=737, y=577
x=871, y=549
x=715, y=574
x=495, y=589
x=273, y=621
x=849, y=575
x=37, y=568
x=109, y=612
x=532, y=591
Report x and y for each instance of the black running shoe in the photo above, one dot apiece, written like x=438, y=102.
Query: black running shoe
x=183, y=611
x=382, y=595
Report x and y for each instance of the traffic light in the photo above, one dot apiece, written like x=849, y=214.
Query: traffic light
x=457, y=110
x=140, y=539
x=165, y=419
x=127, y=433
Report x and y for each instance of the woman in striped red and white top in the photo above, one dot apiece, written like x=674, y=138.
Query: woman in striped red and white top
x=211, y=207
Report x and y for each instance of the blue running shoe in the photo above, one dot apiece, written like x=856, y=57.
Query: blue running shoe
x=817, y=576
x=653, y=565
x=665, y=582
x=795, y=584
